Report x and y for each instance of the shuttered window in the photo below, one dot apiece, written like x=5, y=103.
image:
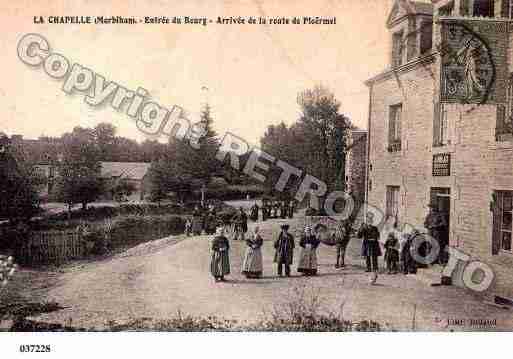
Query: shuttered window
x=504, y=123
x=500, y=126
x=440, y=125
x=436, y=125
x=395, y=128
x=392, y=201
x=502, y=222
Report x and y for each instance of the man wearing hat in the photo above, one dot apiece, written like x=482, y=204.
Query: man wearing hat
x=284, y=247
x=370, y=245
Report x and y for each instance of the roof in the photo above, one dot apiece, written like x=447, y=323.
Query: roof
x=422, y=7
x=130, y=170
x=404, y=8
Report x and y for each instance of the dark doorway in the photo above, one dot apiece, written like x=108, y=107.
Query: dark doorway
x=441, y=199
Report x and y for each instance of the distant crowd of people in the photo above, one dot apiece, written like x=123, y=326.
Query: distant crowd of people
x=206, y=219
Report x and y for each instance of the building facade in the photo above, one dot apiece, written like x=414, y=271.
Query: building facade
x=135, y=173
x=440, y=129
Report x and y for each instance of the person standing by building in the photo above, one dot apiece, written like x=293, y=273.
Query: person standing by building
x=409, y=265
x=252, y=263
x=370, y=245
x=342, y=236
x=435, y=223
x=284, y=254
x=220, y=262
x=308, y=256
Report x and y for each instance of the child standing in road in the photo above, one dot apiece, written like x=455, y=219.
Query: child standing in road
x=392, y=254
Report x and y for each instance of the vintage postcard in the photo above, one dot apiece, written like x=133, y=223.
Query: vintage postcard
x=256, y=166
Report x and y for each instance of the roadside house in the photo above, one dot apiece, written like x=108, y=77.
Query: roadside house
x=135, y=173
x=440, y=127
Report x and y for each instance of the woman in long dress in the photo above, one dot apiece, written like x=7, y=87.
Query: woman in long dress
x=308, y=255
x=220, y=264
x=252, y=264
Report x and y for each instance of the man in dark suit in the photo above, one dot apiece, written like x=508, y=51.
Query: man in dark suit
x=370, y=245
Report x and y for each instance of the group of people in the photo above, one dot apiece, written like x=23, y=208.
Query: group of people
x=207, y=220
x=397, y=250
x=203, y=219
x=284, y=245
x=274, y=209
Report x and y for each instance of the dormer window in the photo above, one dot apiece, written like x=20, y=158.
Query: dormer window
x=397, y=49
x=410, y=24
x=426, y=37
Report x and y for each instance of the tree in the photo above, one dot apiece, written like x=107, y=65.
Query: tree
x=188, y=164
x=152, y=150
x=327, y=131
x=165, y=178
x=18, y=182
x=79, y=170
x=105, y=136
x=317, y=143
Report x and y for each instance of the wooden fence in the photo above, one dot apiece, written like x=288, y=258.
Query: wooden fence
x=57, y=247
x=53, y=247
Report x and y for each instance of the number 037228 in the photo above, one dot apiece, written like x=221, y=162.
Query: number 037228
x=35, y=348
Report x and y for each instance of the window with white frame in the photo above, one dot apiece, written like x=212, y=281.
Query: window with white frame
x=392, y=202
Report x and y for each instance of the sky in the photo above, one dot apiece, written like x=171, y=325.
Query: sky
x=249, y=74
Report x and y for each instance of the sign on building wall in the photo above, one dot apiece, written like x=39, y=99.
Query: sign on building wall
x=442, y=165
x=474, y=61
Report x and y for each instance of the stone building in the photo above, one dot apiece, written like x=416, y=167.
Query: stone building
x=135, y=173
x=440, y=128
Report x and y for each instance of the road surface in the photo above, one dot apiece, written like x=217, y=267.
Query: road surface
x=162, y=277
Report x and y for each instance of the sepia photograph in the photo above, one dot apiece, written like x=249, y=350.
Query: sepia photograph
x=255, y=166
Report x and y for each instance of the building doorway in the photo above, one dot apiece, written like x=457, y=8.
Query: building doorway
x=440, y=198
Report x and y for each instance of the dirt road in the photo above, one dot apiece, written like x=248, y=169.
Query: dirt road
x=159, y=278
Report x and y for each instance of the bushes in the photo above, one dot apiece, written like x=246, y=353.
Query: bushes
x=130, y=230
x=62, y=220
x=302, y=312
x=188, y=323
